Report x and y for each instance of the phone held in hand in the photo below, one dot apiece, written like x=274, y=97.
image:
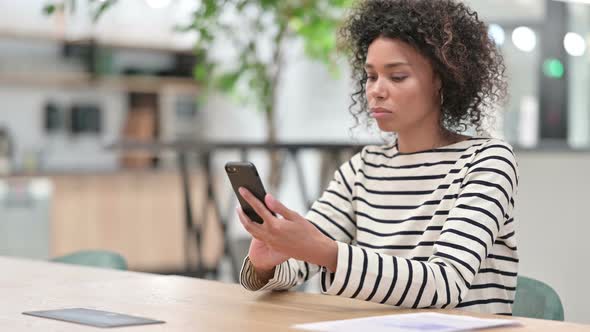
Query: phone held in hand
x=244, y=174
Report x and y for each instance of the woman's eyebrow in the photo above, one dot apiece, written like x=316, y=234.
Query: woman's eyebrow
x=388, y=65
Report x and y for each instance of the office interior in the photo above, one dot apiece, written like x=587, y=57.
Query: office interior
x=109, y=142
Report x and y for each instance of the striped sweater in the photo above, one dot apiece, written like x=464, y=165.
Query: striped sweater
x=417, y=230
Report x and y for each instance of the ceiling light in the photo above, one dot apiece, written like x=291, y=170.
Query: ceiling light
x=524, y=39
x=574, y=44
x=497, y=34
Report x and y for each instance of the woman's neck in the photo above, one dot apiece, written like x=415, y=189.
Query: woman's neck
x=416, y=141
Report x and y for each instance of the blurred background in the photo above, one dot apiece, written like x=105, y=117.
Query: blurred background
x=118, y=116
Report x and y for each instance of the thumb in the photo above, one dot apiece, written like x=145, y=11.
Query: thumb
x=278, y=208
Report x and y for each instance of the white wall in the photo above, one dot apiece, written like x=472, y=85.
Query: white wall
x=553, y=225
x=22, y=110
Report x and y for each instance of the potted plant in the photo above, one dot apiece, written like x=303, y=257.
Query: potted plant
x=268, y=24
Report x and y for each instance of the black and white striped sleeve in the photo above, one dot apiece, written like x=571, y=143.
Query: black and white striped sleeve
x=468, y=234
x=332, y=214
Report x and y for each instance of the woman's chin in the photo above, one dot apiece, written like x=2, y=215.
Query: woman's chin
x=387, y=126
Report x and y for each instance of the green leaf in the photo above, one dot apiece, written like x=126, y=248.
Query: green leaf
x=227, y=81
x=341, y=3
x=202, y=72
x=102, y=9
x=49, y=9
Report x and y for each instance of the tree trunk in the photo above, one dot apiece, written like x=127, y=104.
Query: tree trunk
x=271, y=110
x=275, y=161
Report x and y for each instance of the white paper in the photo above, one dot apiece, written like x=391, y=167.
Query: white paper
x=418, y=322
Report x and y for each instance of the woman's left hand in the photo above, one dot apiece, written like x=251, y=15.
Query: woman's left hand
x=291, y=235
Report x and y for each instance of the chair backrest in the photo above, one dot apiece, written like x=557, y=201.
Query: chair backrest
x=96, y=258
x=536, y=299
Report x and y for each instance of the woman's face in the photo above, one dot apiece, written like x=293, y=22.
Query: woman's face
x=402, y=88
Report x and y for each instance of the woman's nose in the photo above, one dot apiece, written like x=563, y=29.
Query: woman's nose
x=377, y=89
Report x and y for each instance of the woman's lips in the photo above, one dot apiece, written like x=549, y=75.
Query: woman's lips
x=380, y=112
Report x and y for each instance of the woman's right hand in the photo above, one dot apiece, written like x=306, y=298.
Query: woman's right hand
x=263, y=258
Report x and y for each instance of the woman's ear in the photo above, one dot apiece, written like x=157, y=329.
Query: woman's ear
x=437, y=86
x=437, y=82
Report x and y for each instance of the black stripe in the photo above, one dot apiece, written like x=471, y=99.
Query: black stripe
x=502, y=243
x=370, y=231
x=388, y=193
x=321, y=230
x=401, y=300
x=338, y=194
x=434, y=298
x=444, y=162
x=485, y=301
x=337, y=209
x=407, y=154
x=504, y=258
x=487, y=184
x=363, y=275
x=473, y=223
x=444, y=274
x=458, y=292
x=453, y=258
x=493, y=170
x=403, y=178
x=484, y=211
x=396, y=247
x=421, y=291
x=483, y=286
x=399, y=221
x=497, y=158
x=402, y=207
x=324, y=277
x=449, y=150
x=459, y=247
x=348, y=270
x=440, y=150
x=421, y=258
x=345, y=182
x=289, y=277
x=306, y=265
x=352, y=168
x=393, y=282
x=344, y=230
x=503, y=273
x=504, y=314
x=507, y=236
x=468, y=236
x=461, y=157
x=485, y=197
x=498, y=146
x=508, y=221
x=378, y=280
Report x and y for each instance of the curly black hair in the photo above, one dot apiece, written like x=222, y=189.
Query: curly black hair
x=446, y=32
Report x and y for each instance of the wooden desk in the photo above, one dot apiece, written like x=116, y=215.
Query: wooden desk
x=186, y=304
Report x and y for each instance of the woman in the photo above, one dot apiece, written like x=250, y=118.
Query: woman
x=426, y=221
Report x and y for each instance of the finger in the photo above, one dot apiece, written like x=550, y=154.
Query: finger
x=277, y=207
x=250, y=226
x=256, y=204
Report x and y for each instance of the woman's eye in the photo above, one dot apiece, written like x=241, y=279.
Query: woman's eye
x=371, y=78
x=398, y=78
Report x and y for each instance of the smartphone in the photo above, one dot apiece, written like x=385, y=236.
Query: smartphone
x=244, y=174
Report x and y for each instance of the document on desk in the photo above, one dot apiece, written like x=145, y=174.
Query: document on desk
x=418, y=322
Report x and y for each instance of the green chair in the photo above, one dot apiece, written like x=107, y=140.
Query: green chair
x=95, y=258
x=536, y=299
